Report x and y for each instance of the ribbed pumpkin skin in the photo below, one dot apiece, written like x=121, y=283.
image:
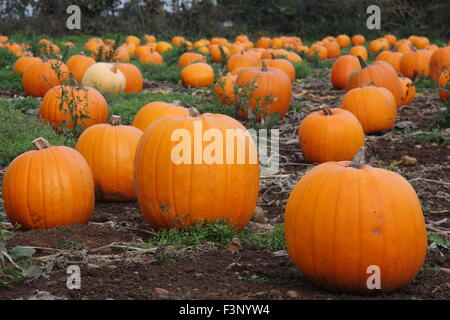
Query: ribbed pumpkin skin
x=284, y=65
x=439, y=61
x=341, y=70
x=408, y=90
x=341, y=220
x=110, y=150
x=152, y=57
x=39, y=77
x=23, y=62
x=373, y=106
x=240, y=60
x=393, y=58
x=48, y=188
x=272, y=83
x=96, y=108
x=177, y=195
x=188, y=58
x=78, y=64
x=416, y=62
x=197, y=75
x=333, y=49
x=381, y=74
x=335, y=137
x=133, y=77
x=154, y=111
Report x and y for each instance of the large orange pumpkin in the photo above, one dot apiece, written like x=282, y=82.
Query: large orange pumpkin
x=346, y=220
x=241, y=60
x=40, y=76
x=380, y=73
x=416, y=63
x=176, y=188
x=56, y=104
x=341, y=70
x=197, y=75
x=78, y=64
x=48, y=187
x=133, y=77
x=439, y=61
x=330, y=135
x=154, y=111
x=270, y=91
x=109, y=149
x=374, y=107
x=24, y=62
x=282, y=64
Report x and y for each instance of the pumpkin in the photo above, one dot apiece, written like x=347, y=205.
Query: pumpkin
x=403, y=48
x=330, y=135
x=176, y=189
x=442, y=82
x=421, y=42
x=439, y=61
x=154, y=111
x=188, y=58
x=110, y=149
x=48, y=187
x=343, y=40
x=140, y=50
x=40, y=76
x=78, y=64
x=241, y=60
x=380, y=73
x=15, y=49
x=391, y=39
x=122, y=55
x=178, y=41
x=276, y=43
x=163, y=47
x=282, y=64
x=224, y=88
x=134, y=40
x=219, y=41
x=333, y=49
x=197, y=75
x=23, y=62
x=375, y=107
x=150, y=38
x=432, y=47
x=105, y=77
x=375, y=46
x=342, y=218
x=270, y=91
x=416, y=62
x=152, y=57
x=263, y=42
x=133, y=77
x=219, y=53
x=319, y=51
x=408, y=90
x=4, y=39
x=89, y=102
x=360, y=51
x=358, y=40
x=341, y=70
x=393, y=58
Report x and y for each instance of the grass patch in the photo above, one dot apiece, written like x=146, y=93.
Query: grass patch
x=425, y=84
x=7, y=59
x=10, y=80
x=434, y=136
x=23, y=104
x=302, y=70
x=18, y=130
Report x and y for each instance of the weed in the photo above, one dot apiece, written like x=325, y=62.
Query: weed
x=68, y=244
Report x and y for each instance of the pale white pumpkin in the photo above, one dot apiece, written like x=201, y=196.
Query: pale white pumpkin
x=105, y=77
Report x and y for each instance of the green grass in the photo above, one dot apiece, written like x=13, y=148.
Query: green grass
x=302, y=70
x=425, y=85
x=7, y=59
x=18, y=130
x=10, y=80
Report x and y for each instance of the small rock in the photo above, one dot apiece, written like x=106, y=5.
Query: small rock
x=434, y=144
x=418, y=146
x=111, y=267
x=92, y=266
x=281, y=253
x=161, y=292
x=408, y=161
x=198, y=275
x=293, y=294
x=234, y=246
x=259, y=215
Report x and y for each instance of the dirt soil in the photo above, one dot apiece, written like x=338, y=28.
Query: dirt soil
x=110, y=272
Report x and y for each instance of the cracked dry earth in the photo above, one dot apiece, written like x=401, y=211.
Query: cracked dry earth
x=113, y=267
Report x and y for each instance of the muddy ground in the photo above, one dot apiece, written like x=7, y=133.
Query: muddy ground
x=207, y=272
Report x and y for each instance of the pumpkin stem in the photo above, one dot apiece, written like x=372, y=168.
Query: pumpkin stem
x=362, y=62
x=114, y=69
x=264, y=67
x=359, y=161
x=327, y=111
x=193, y=112
x=415, y=74
x=41, y=143
x=115, y=121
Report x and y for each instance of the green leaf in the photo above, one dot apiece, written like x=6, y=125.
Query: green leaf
x=21, y=252
x=434, y=238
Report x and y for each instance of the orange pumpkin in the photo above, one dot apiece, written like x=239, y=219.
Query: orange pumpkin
x=219, y=53
x=23, y=62
x=270, y=91
x=343, y=219
x=375, y=108
x=360, y=51
x=39, y=76
x=140, y=50
x=154, y=111
x=341, y=70
x=78, y=64
x=134, y=40
x=343, y=40
x=319, y=51
x=224, y=88
x=133, y=77
x=358, y=40
x=443, y=82
x=282, y=64
x=333, y=49
x=188, y=58
x=241, y=60
x=330, y=135
x=163, y=47
x=152, y=57
x=439, y=61
x=391, y=39
x=110, y=149
x=393, y=58
x=380, y=73
x=48, y=187
x=408, y=90
x=197, y=75
x=416, y=63
x=176, y=189
x=263, y=42
x=55, y=107
x=375, y=46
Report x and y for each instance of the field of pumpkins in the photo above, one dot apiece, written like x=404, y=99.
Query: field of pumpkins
x=88, y=131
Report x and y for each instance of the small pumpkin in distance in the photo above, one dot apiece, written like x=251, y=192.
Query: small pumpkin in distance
x=342, y=68
x=241, y=60
x=361, y=207
x=151, y=57
x=359, y=51
x=49, y=187
x=196, y=75
x=330, y=135
x=188, y=58
x=391, y=57
x=154, y=111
